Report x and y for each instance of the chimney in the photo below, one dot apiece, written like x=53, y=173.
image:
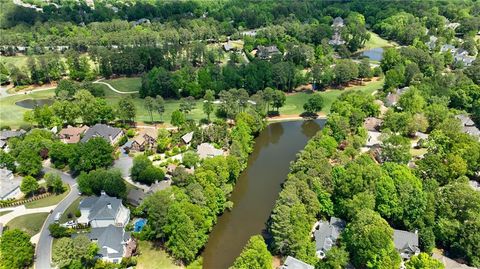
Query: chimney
x=103, y=193
x=109, y=206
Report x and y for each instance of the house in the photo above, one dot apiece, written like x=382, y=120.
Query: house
x=72, y=134
x=267, y=52
x=160, y=186
x=373, y=138
x=468, y=126
x=338, y=23
x=205, y=150
x=372, y=124
x=228, y=46
x=171, y=168
x=292, y=263
x=7, y=134
x=9, y=185
x=135, y=197
x=187, y=138
x=145, y=139
x=432, y=42
x=111, y=134
x=336, y=39
x=462, y=57
x=102, y=211
x=448, y=48
x=406, y=243
x=141, y=21
x=326, y=235
x=393, y=98
x=113, y=243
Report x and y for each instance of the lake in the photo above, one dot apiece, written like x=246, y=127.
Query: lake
x=256, y=190
x=32, y=103
x=375, y=54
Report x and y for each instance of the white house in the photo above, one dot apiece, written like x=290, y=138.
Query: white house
x=9, y=185
x=102, y=211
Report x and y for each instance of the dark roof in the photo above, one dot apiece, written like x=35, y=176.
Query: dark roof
x=135, y=196
x=327, y=233
x=101, y=130
x=101, y=207
x=110, y=237
x=405, y=240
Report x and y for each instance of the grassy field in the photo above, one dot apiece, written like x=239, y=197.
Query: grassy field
x=125, y=84
x=70, y=210
x=294, y=103
x=5, y=212
x=19, y=61
x=152, y=257
x=376, y=42
x=12, y=115
x=31, y=223
x=48, y=201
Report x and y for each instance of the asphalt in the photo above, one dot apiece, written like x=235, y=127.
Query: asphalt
x=43, y=250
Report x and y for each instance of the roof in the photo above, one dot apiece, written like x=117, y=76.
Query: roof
x=8, y=183
x=405, y=240
x=160, y=186
x=110, y=240
x=101, y=207
x=465, y=120
x=372, y=123
x=72, y=134
x=187, y=137
x=2, y=143
x=447, y=47
x=150, y=132
x=101, y=130
x=327, y=234
x=228, y=46
x=6, y=134
x=135, y=196
x=337, y=22
x=292, y=263
x=205, y=150
x=266, y=52
x=373, y=138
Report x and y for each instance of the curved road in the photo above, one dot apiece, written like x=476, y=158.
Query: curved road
x=43, y=249
x=98, y=81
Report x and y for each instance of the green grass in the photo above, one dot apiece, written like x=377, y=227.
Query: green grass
x=31, y=223
x=5, y=212
x=376, y=41
x=294, y=103
x=11, y=114
x=71, y=209
x=19, y=61
x=152, y=257
x=48, y=201
x=125, y=84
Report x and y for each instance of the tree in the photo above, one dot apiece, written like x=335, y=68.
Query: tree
x=87, y=106
x=396, y=148
x=67, y=86
x=187, y=104
x=16, y=251
x=29, y=185
x=79, y=251
x=278, y=99
x=345, y=70
x=160, y=105
x=364, y=69
x=150, y=106
x=126, y=109
x=423, y=261
x=60, y=153
x=369, y=240
x=178, y=118
x=54, y=183
x=7, y=161
x=143, y=171
x=67, y=111
x=208, y=105
x=96, y=181
x=29, y=162
x=190, y=159
x=163, y=140
x=57, y=231
x=336, y=258
x=313, y=104
x=95, y=153
x=254, y=255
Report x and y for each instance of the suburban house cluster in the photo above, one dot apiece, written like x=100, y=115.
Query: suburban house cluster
x=107, y=218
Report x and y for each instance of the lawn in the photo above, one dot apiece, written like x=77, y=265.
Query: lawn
x=5, y=212
x=376, y=41
x=294, y=103
x=19, y=61
x=125, y=84
x=31, y=223
x=48, y=201
x=152, y=257
x=71, y=209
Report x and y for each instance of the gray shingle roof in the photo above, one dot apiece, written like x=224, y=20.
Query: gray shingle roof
x=110, y=237
x=4, y=135
x=327, y=233
x=292, y=263
x=101, y=207
x=405, y=240
x=101, y=130
x=8, y=183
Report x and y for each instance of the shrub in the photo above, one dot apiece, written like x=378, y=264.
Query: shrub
x=57, y=231
x=131, y=133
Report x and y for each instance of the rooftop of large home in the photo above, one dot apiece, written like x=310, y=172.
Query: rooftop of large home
x=112, y=242
x=393, y=97
x=206, y=150
x=7, y=134
x=373, y=138
x=326, y=235
x=187, y=138
x=372, y=123
x=9, y=185
x=338, y=22
x=293, y=263
x=144, y=134
x=100, y=211
x=102, y=130
x=468, y=125
x=406, y=243
x=265, y=52
x=72, y=134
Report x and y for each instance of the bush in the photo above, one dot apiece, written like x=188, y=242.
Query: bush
x=190, y=159
x=122, y=141
x=131, y=133
x=57, y=231
x=143, y=171
x=78, y=214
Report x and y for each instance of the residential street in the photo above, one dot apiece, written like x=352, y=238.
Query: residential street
x=43, y=249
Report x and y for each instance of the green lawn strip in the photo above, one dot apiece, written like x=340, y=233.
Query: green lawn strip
x=294, y=103
x=376, y=41
x=71, y=209
x=5, y=212
x=11, y=114
x=127, y=84
x=48, y=201
x=152, y=257
x=31, y=223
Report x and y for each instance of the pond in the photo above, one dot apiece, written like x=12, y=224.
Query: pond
x=32, y=103
x=257, y=190
x=375, y=54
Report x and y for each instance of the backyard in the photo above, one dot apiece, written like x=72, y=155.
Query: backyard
x=153, y=257
x=31, y=223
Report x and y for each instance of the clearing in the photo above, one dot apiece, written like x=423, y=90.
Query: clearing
x=153, y=257
x=31, y=223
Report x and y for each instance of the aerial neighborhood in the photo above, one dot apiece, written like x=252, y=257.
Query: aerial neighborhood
x=239, y=134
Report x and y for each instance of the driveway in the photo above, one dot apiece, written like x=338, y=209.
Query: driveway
x=43, y=249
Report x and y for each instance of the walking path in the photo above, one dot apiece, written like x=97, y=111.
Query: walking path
x=22, y=210
x=98, y=81
x=4, y=93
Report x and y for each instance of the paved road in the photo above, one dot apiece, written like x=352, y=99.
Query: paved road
x=43, y=250
x=111, y=87
x=4, y=93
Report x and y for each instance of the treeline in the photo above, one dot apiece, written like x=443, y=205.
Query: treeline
x=183, y=215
